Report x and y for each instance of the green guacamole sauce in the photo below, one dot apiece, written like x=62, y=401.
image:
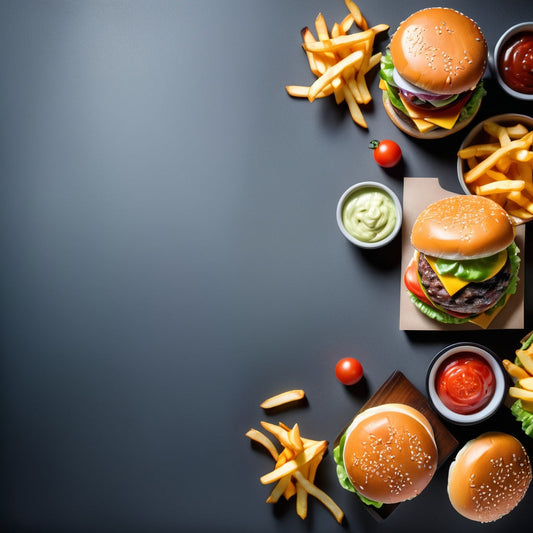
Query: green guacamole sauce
x=369, y=215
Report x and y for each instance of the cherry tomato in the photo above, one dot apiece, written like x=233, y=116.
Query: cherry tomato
x=386, y=153
x=349, y=371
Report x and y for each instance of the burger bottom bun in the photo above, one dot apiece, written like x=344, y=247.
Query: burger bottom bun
x=489, y=477
x=405, y=124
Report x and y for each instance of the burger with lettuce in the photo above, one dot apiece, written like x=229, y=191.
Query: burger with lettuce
x=466, y=262
x=431, y=74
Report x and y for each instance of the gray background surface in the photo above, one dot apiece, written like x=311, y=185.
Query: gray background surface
x=170, y=258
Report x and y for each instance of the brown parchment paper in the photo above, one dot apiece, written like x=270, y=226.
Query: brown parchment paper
x=418, y=193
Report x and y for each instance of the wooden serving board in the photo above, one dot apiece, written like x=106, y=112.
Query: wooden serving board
x=398, y=389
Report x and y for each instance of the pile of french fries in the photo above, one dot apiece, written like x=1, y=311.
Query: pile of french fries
x=522, y=376
x=340, y=60
x=502, y=168
x=296, y=464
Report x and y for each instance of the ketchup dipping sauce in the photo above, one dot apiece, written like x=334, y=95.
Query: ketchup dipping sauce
x=515, y=62
x=465, y=383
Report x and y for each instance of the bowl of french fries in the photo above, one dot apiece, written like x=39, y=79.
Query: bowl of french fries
x=496, y=160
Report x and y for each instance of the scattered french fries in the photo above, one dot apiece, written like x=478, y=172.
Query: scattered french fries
x=295, y=467
x=283, y=398
x=522, y=376
x=502, y=168
x=340, y=61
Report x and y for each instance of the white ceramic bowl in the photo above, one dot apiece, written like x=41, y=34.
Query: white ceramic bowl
x=495, y=401
x=477, y=135
x=369, y=185
x=512, y=31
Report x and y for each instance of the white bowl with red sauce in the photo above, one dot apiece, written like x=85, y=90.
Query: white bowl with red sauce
x=466, y=383
x=512, y=62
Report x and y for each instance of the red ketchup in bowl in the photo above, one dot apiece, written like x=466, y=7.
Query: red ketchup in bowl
x=515, y=62
x=465, y=383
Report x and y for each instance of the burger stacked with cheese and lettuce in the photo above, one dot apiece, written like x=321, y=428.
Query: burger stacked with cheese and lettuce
x=431, y=74
x=466, y=262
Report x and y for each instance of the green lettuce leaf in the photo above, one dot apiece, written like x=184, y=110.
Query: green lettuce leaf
x=474, y=102
x=469, y=269
x=523, y=416
x=342, y=475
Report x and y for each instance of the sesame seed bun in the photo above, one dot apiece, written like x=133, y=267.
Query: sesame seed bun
x=440, y=50
x=462, y=227
x=489, y=477
x=390, y=454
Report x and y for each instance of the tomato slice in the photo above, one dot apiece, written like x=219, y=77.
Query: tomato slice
x=410, y=279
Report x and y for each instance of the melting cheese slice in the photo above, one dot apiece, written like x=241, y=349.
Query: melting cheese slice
x=453, y=284
x=445, y=118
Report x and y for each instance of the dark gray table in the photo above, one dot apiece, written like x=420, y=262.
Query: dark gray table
x=170, y=257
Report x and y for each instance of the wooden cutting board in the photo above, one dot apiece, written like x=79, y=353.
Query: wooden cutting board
x=398, y=389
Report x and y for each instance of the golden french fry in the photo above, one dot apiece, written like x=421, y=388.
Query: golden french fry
x=296, y=440
x=500, y=132
x=354, y=59
x=320, y=495
x=344, y=41
x=283, y=398
x=353, y=106
x=527, y=383
x=526, y=358
x=290, y=467
x=280, y=433
x=514, y=371
x=356, y=14
x=516, y=131
x=279, y=489
x=478, y=150
x=262, y=439
x=492, y=159
x=347, y=23
x=301, y=494
x=522, y=394
x=500, y=187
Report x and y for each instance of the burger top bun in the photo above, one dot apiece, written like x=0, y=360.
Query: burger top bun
x=390, y=454
x=440, y=50
x=462, y=227
x=489, y=477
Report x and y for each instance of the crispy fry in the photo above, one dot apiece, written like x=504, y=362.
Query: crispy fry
x=320, y=495
x=478, y=150
x=261, y=438
x=522, y=394
x=526, y=358
x=356, y=14
x=290, y=467
x=513, y=370
x=279, y=489
x=487, y=163
x=283, y=398
x=500, y=187
x=527, y=383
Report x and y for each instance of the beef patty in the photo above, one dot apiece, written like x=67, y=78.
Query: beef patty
x=473, y=298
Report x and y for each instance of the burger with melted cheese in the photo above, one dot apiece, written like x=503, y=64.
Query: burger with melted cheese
x=466, y=262
x=489, y=477
x=431, y=73
x=387, y=455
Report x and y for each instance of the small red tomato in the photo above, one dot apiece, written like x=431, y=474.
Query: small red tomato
x=349, y=371
x=386, y=153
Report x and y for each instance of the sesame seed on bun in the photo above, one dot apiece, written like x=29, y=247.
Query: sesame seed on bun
x=462, y=227
x=440, y=50
x=489, y=477
x=390, y=453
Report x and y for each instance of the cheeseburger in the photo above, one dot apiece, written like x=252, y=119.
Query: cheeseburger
x=466, y=262
x=431, y=73
x=489, y=477
x=387, y=455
